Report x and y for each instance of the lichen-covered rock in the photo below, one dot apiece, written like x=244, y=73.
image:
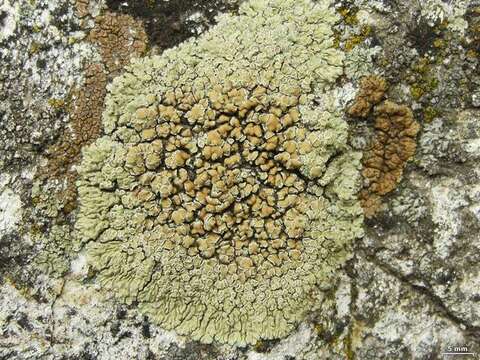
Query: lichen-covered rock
x=411, y=290
x=392, y=145
x=37, y=38
x=391, y=321
x=118, y=38
x=221, y=196
x=169, y=23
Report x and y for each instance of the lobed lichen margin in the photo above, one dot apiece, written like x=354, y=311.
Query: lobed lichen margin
x=286, y=48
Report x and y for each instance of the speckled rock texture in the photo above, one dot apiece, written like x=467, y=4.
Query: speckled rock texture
x=160, y=165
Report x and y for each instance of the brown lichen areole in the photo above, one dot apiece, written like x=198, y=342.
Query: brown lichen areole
x=212, y=192
x=372, y=91
x=118, y=38
x=392, y=146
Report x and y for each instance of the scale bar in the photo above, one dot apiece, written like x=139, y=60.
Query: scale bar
x=458, y=353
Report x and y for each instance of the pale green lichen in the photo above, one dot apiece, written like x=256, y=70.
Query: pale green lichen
x=53, y=256
x=222, y=196
x=359, y=61
x=54, y=243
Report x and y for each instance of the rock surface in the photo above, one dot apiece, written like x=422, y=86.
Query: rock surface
x=412, y=286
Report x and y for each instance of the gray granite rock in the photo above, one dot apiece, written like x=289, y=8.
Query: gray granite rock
x=412, y=287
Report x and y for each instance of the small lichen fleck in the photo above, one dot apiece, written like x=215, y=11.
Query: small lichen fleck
x=221, y=196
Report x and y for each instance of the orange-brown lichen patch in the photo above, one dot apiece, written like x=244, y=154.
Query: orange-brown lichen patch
x=392, y=146
x=372, y=91
x=85, y=112
x=81, y=8
x=118, y=38
x=85, y=125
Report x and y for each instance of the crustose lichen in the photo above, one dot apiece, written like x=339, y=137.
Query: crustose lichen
x=221, y=196
x=393, y=143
